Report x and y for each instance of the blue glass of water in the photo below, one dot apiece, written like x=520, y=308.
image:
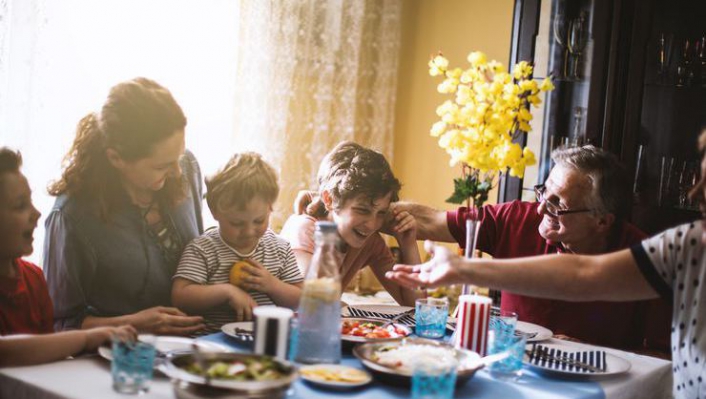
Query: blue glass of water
x=503, y=323
x=430, y=317
x=434, y=381
x=502, y=338
x=132, y=366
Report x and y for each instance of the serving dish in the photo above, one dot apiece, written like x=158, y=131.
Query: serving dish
x=176, y=367
x=468, y=362
x=185, y=390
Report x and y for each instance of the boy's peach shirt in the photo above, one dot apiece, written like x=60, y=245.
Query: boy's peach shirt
x=299, y=231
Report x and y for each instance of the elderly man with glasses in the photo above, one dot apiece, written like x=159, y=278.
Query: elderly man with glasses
x=581, y=208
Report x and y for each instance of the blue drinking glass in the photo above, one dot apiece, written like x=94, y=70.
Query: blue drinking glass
x=132, y=366
x=434, y=380
x=430, y=317
x=509, y=368
x=503, y=323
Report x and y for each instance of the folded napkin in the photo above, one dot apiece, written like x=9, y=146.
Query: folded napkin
x=407, y=320
x=556, y=359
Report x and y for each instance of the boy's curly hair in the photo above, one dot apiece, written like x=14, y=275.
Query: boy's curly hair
x=244, y=177
x=350, y=170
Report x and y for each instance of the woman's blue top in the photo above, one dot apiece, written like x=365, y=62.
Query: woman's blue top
x=116, y=267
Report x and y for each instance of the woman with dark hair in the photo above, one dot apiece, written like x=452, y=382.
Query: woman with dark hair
x=128, y=201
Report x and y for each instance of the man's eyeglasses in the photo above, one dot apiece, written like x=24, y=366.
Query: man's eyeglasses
x=551, y=206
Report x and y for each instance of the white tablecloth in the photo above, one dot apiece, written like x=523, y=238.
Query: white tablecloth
x=89, y=378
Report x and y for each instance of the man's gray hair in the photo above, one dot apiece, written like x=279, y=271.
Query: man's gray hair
x=611, y=185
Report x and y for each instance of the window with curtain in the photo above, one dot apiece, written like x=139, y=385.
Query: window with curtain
x=287, y=78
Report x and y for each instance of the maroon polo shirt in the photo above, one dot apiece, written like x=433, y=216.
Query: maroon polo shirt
x=510, y=230
x=25, y=305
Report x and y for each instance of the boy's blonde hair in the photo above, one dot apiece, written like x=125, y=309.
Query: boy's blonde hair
x=244, y=177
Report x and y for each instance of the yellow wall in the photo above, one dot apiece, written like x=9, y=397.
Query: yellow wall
x=455, y=27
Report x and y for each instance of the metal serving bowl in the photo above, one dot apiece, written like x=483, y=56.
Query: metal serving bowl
x=185, y=390
x=187, y=384
x=469, y=362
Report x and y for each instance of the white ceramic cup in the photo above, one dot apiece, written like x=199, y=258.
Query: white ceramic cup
x=272, y=330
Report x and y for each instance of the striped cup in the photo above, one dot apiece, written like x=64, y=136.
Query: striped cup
x=472, y=326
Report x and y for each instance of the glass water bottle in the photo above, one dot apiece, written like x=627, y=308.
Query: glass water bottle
x=319, y=321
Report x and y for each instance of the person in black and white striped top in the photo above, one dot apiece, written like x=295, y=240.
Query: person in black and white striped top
x=240, y=198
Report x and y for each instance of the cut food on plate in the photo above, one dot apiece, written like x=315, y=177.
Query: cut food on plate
x=335, y=375
x=406, y=356
x=371, y=329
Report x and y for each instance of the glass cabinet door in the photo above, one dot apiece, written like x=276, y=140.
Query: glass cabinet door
x=565, y=48
x=629, y=77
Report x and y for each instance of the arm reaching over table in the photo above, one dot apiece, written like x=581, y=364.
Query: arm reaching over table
x=609, y=277
x=430, y=223
x=24, y=350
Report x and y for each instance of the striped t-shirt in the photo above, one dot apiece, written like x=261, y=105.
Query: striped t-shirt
x=208, y=260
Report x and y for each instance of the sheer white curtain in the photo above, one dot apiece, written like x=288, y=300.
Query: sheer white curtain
x=286, y=78
x=58, y=58
x=312, y=73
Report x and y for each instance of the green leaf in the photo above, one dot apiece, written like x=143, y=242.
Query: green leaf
x=463, y=189
x=470, y=187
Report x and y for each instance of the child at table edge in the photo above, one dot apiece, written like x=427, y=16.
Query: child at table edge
x=240, y=197
x=26, y=311
x=356, y=187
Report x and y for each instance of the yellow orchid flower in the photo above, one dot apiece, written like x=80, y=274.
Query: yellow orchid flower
x=477, y=125
x=477, y=58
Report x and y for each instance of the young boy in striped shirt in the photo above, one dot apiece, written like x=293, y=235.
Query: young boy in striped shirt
x=240, y=198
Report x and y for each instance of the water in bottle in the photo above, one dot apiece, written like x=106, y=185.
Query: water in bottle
x=318, y=335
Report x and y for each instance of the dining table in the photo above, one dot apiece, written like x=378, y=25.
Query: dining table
x=89, y=377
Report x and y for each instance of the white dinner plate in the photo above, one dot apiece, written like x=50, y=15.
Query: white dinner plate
x=614, y=364
x=540, y=333
x=167, y=344
x=241, y=331
x=363, y=377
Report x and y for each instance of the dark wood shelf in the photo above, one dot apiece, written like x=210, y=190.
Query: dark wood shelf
x=652, y=219
x=672, y=87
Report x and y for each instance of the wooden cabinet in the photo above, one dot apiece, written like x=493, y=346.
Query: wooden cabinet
x=630, y=77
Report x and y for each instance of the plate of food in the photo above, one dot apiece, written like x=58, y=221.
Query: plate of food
x=242, y=372
x=335, y=376
x=395, y=359
x=360, y=329
x=166, y=345
x=241, y=331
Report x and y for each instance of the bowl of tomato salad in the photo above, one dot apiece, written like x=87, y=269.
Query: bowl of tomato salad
x=357, y=330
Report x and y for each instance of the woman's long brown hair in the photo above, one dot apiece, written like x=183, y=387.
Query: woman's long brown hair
x=136, y=115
